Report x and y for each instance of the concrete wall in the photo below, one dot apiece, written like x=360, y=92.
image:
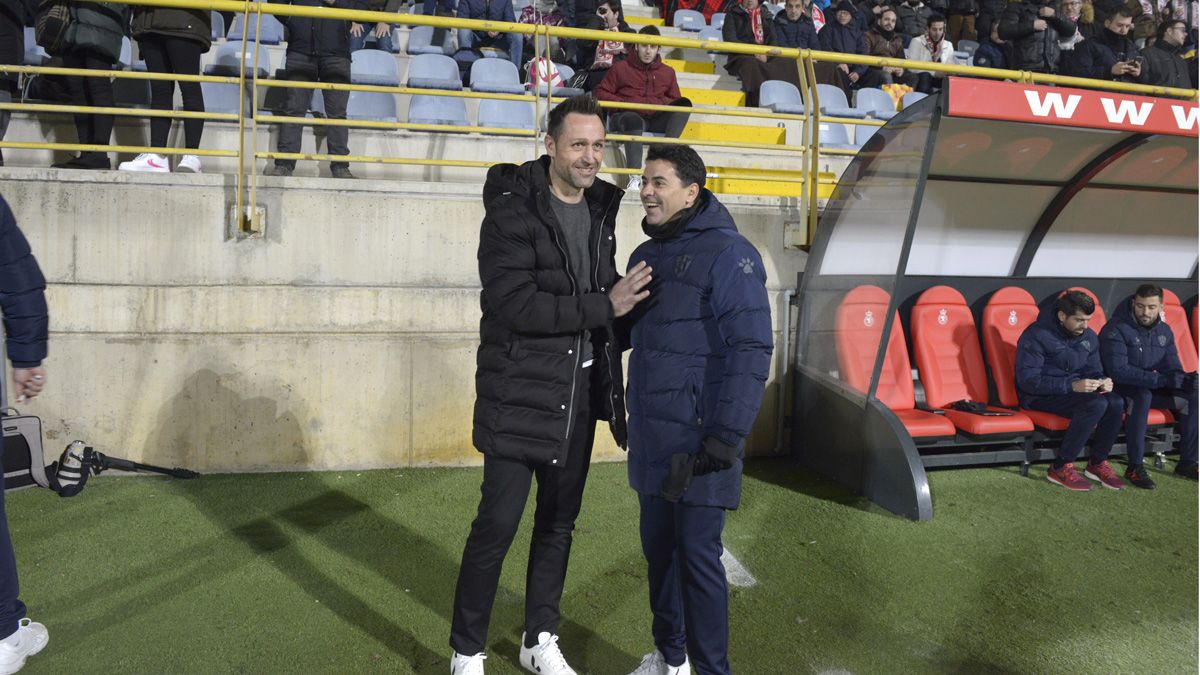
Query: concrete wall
x=344, y=338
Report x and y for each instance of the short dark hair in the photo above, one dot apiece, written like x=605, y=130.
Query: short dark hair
x=887, y=9
x=1120, y=11
x=649, y=30
x=935, y=18
x=686, y=161
x=1166, y=26
x=1074, y=302
x=1149, y=291
x=584, y=104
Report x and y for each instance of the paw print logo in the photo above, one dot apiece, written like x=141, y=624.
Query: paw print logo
x=1012, y=317
x=869, y=319
x=747, y=265
x=943, y=318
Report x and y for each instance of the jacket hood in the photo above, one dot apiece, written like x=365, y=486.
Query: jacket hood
x=1048, y=317
x=1124, y=314
x=706, y=214
x=531, y=178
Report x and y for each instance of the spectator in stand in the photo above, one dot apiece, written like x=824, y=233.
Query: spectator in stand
x=1163, y=65
x=794, y=27
x=1058, y=370
x=988, y=17
x=932, y=46
x=1071, y=10
x=1138, y=350
x=545, y=13
x=317, y=50
x=960, y=20
x=868, y=13
x=883, y=41
x=1087, y=24
x=842, y=37
x=914, y=18
x=643, y=78
x=993, y=52
x=171, y=40
x=749, y=23
x=359, y=32
x=14, y=15
x=489, y=10
x=1034, y=29
x=93, y=42
x=1110, y=55
x=595, y=58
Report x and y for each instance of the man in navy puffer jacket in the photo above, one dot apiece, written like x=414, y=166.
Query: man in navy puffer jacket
x=1059, y=371
x=1139, y=352
x=701, y=352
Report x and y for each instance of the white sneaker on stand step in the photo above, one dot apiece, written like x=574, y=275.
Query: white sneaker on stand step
x=655, y=664
x=461, y=664
x=147, y=162
x=31, y=637
x=546, y=658
x=189, y=164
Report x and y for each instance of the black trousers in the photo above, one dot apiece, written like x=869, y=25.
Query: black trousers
x=316, y=69
x=91, y=91
x=631, y=123
x=1138, y=401
x=504, y=491
x=1087, y=412
x=165, y=54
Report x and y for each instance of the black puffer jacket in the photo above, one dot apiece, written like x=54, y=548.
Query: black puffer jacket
x=1032, y=49
x=98, y=27
x=319, y=37
x=528, y=377
x=1096, y=57
x=176, y=22
x=1165, y=67
x=22, y=295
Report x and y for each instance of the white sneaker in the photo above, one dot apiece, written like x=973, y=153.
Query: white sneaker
x=147, y=162
x=461, y=664
x=189, y=163
x=546, y=658
x=31, y=637
x=654, y=664
x=634, y=184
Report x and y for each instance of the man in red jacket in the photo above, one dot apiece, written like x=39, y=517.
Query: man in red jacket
x=645, y=79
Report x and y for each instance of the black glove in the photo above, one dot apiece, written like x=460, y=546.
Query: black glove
x=677, y=481
x=1177, y=380
x=715, y=455
x=1189, y=382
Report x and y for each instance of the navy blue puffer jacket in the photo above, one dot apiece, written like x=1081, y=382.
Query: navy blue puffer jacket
x=1049, y=360
x=1136, y=356
x=701, y=352
x=22, y=295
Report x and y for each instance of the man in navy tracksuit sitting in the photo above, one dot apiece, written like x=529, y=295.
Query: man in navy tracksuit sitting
x=1139, y=352
x=701, y=351
x=1059, y=371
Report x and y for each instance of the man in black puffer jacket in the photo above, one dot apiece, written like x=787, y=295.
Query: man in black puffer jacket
x=548, y=367
x=317, y=50
x=1034, y=29
x=1111, y=55
x=1164, y=61
x=1139, y=353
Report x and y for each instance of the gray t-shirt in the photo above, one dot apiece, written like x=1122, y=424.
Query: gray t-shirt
x=576, y=222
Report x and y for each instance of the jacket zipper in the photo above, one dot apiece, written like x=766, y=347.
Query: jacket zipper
x=596, y=284
x=578, y=345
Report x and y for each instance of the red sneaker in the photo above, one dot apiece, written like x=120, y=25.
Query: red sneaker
x=1104, y=474
x=1069, y=478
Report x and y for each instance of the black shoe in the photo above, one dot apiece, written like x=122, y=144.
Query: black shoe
x=278, y=169
x=1138, y=477
x=1187, y=471
x=86, y=160
x=341, y=172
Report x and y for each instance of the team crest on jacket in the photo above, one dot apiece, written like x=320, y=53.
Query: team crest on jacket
x=1162, y=340
x=1087, y=344
x=682, y=262
x=747, y=265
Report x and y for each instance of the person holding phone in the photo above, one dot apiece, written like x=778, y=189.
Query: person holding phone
x=1111, y=55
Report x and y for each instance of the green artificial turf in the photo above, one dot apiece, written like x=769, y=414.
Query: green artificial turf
x=354, y=572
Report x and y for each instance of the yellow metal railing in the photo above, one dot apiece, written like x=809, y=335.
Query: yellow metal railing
x=809, y=149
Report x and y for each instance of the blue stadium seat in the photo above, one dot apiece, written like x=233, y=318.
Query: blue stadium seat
x=688, y=19
x=781, y=97
x=497, y=76
x=420, y=41
x=371, y=66
x=875, y=103
x=125, y=60
x=711, y=34
x=218, y=26
x=35, y=54
x=565, y=72
x=773, y=9
x=834, y=103
x=227, y=61
x=968, y=46
x=220, y=97
x=835, y=136
x=371, y=105
x=717, y=21
x=911, y=98
x=437, y=110
x=863, y=133
x=506, y=114
x=271, y=33
x=434, y=71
